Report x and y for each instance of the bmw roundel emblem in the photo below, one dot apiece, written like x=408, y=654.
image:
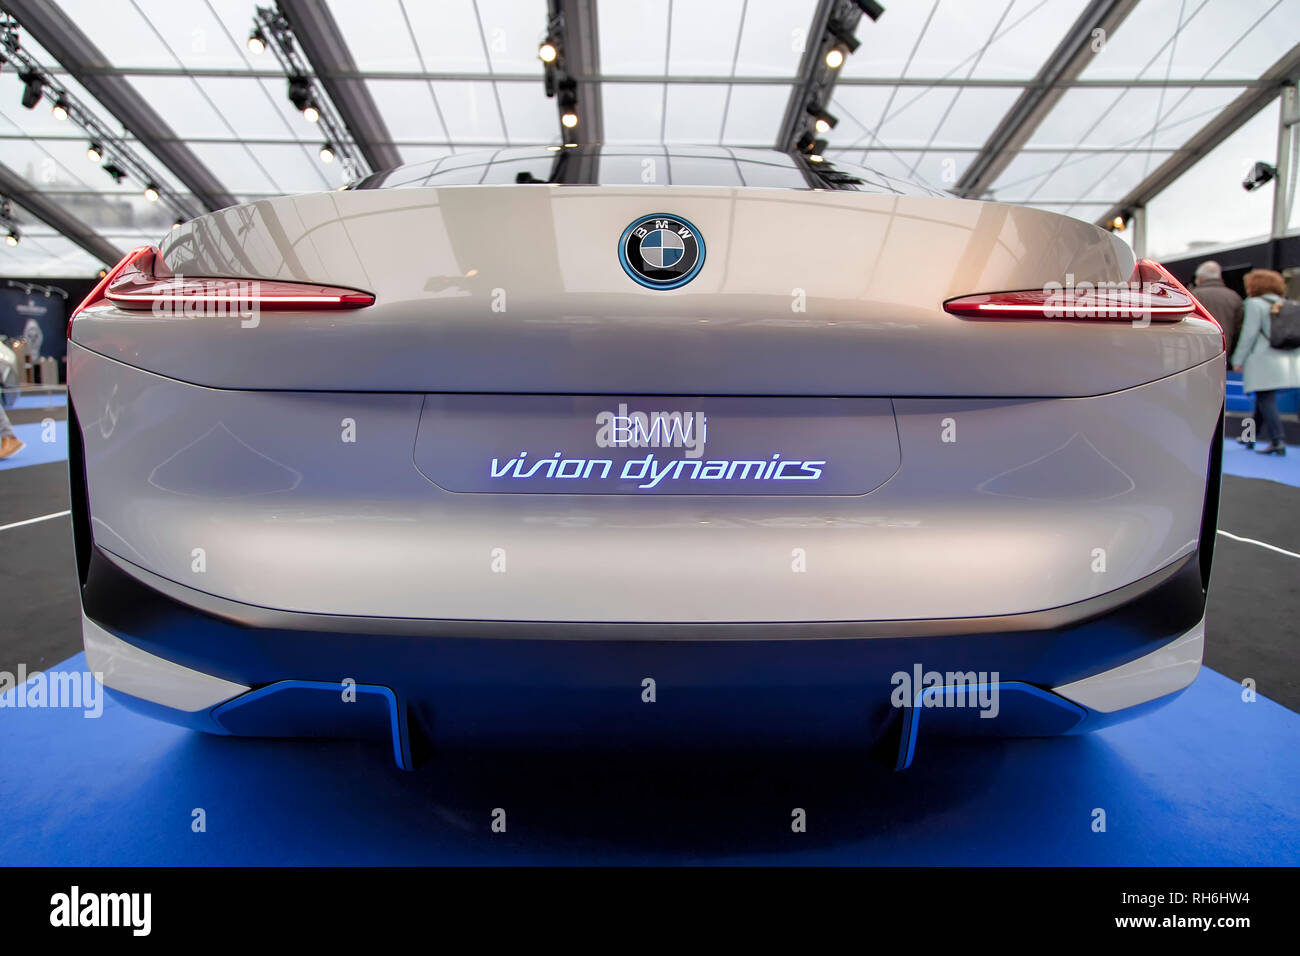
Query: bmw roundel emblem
x=661, y=252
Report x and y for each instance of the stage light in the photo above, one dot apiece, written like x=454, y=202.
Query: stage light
x=835, y=58
x=32, y=88
x=151, y=192
x=13, y=237
x=568, y=97
x=94, y=152
x=327, y=153
x=60, y=108
x=823, y=121
x=300, y=97
x=871, y=8
x=547, y=52
x=257, y=42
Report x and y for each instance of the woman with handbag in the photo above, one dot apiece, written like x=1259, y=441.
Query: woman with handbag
x=1265, y=369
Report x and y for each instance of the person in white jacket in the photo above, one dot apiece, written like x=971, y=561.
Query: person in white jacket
x=1265, y=369
x=10, y=443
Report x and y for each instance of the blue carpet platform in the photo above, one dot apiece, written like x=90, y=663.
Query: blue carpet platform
x=1207, y=780
x=38, y=450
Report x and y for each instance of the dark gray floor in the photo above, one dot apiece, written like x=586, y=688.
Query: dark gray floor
x=1253, y=619
x=40, y=617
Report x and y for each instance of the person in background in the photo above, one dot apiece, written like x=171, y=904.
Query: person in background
x=1224, y=304
x=1265, y=369
x=10, y=443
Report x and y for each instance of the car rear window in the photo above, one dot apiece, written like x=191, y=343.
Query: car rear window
x=640, y=166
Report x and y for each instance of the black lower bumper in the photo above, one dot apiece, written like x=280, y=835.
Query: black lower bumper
x=694, y=686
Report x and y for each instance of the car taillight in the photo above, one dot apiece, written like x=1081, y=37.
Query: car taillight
x=1151, y=294
x=142, y=282
x=97, y=293
x=147, y=283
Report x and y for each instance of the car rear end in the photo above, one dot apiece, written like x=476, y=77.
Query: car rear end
x=428, y=463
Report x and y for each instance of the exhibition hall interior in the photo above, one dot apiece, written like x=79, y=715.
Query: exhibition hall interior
x=596, y=432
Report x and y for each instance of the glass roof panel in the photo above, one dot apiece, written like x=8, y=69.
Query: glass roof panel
x=1206, y=206
x=447, y=35
x=46, y=256
x=530, y=117
x=1026, y=172
x=184, y=106
x=887, y=43
x=1095, y=145
x=859, y=109
x=196, y=38
x=704, y=37
x=420, y=154
x=1025, y=39
x=408, y=110
x=961, y=35
x=754, y=113
x=975, y=113
x=915, y=115
x=772, y=37
x=633, y=112
x=633, y=38
x=56, y=165
x=1195, y=39
x=240, y=172
x=470, y=111
x=377, y=34
x=693, y=112
x=296, y=169
x=61, y=164
x=1104, y=177
x=1128, y=117
x=121, y=33
x=512, y=30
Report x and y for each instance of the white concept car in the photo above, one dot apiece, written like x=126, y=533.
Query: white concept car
x=516, y=446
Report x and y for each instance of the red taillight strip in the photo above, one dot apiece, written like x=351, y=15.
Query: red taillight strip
x=1152, y=293
x=97, y=293
x=1150, y=267
x=138, y=291
x=1001, y=304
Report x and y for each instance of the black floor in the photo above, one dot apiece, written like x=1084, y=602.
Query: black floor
x=1253, y=619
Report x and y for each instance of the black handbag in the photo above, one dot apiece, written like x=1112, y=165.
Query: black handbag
x=1284, y=325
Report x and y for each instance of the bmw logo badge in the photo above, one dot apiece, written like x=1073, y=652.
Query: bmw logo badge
x=661, y=252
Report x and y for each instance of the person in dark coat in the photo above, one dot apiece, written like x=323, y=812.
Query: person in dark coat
x=1224, y=304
